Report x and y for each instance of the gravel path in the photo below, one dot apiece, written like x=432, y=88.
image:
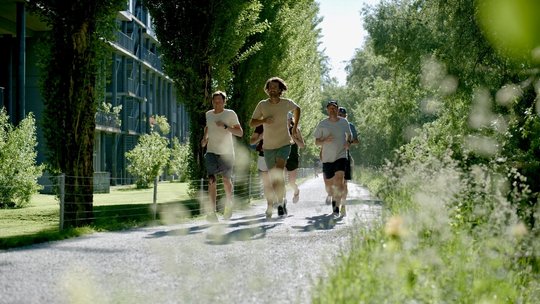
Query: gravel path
x=245, y=260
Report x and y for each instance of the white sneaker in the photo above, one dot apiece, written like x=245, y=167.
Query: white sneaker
x=296, y=197
x=227, y=212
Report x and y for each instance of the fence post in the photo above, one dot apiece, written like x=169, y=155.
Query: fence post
x=61, y=192
x=233, y=182
x=249, y=187
x=154, y=199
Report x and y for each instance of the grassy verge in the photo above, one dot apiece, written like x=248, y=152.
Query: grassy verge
x=124, y=207
x=419, y=255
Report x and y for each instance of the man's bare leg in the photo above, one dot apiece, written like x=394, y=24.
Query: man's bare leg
x=294, y=186
x=212, y=195
x=277, y=176
x=227, y=185
x=341, y=184
x=268, y=192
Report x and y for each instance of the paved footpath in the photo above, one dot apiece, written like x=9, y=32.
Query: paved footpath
x=245, y=260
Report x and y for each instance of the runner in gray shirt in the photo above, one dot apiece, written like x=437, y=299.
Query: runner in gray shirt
x=333, y=135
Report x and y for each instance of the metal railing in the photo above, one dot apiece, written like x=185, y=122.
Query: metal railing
x=152, y=59
x=124, y=41
x=107, y=120
x=246, y=188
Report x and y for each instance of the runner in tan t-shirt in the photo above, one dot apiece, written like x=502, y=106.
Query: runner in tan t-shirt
x=272, y=114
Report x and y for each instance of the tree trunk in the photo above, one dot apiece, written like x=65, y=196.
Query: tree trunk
x=76, y=45
x=81, y=112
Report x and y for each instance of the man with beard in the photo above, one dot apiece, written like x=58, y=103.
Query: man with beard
x=272, y=114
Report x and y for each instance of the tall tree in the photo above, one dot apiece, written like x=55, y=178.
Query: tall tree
x=201, y=42
x=69, y=89
x=485, y=90
x=289, y=50
x=385, y=104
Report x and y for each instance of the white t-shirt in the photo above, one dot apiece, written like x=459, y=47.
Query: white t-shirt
x=276, y=134
x=332, y=151
x=220, y=140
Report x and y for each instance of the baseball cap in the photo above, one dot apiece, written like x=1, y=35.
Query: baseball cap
x=332, y=103
x=342, y=110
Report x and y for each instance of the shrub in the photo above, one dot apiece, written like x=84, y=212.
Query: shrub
x=179, y=159
x=449, y=236
x=150, y=156
x=18, y=169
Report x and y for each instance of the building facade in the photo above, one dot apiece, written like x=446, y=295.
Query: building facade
x=135, y=86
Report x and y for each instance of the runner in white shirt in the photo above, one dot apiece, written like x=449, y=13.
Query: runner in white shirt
x=221, y=125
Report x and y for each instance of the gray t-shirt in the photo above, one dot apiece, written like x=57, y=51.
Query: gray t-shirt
x=332, y=151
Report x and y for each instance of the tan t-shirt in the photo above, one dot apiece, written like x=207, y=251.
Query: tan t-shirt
x=220, y=141
x=276, y=134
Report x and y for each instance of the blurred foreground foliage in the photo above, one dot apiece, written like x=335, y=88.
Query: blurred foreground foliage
x=446, y=105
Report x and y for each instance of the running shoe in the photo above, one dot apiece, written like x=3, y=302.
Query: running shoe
x=335, y=209
x=285, y=207
x=212, y=217
x=227, y=212
x=268, y=213
x=280, y=210
x=296, y=197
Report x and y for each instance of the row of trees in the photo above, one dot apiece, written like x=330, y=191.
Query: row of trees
x=448, y=78
x=236, y=46
x=424, y=81
x=232, y=45
x=445, y=99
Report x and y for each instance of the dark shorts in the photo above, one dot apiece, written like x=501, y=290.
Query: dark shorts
x=292, y=164
x=292, y=161
x=330, y=169
x=219, y=164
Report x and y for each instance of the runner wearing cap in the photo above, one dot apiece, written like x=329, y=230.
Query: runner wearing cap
x=333, y=135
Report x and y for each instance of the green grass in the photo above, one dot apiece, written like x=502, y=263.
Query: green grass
x=417, y=255
x=124, y=207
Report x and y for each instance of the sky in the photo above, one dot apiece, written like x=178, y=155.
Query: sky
x=342, y=32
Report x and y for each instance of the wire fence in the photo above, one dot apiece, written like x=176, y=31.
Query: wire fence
x=62, y=199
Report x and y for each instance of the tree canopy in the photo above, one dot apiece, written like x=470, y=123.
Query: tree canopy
x=236, y=46
x=431, y=81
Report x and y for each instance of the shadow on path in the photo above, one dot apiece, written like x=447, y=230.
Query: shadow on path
x=320, y=222
x=368, y=202
x=217, y=237
x=216, y=232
